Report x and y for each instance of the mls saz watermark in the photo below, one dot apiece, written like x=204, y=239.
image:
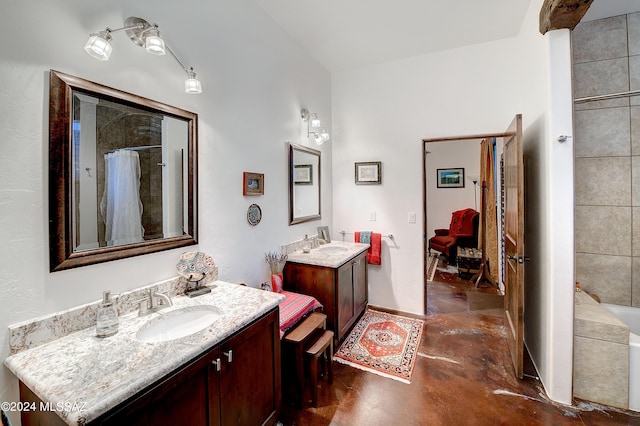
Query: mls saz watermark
x=42, y=406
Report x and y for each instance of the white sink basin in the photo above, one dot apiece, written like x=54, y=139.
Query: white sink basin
x=333, y=249
x=179, y=323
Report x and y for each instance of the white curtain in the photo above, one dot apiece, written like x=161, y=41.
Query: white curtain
x=120, y=206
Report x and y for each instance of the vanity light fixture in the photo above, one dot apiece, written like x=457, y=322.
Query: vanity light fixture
x=142, y=34
x=313, y=121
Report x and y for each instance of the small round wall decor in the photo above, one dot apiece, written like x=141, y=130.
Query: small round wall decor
x=254, y=214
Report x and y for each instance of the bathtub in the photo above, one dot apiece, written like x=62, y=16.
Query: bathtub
x=631, y=317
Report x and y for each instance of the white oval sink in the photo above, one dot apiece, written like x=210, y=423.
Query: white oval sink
x=179, y=323
x=333, y=249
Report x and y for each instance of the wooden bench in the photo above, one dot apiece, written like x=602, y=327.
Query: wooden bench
x=300, y=338
x=323, y=346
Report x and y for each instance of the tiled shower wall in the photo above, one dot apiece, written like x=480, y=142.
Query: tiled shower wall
x=606, y=60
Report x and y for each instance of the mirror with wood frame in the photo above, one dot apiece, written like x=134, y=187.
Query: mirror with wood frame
x=122, y=174
x=304, y=184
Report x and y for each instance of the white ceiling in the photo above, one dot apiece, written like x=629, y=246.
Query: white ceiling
x=344, y=34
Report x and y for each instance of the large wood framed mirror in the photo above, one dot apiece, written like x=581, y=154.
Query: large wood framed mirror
x=304, y=184
x=122, y=174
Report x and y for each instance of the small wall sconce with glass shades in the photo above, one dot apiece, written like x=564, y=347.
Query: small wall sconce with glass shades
x=313, y=122
x=142, y=34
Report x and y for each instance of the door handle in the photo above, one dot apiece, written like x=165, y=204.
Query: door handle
x=520, y=259
x=217, y=363
x=229, y=355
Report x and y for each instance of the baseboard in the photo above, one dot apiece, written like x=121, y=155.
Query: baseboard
x=396, y=312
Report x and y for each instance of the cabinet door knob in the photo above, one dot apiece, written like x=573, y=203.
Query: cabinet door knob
x=229, y=355
x=217, y=363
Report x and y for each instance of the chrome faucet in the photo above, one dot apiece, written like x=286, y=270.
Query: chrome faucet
x=154, y=295
x=146, y=306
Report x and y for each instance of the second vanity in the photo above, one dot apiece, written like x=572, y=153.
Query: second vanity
x=336, y=275
x=226, y=373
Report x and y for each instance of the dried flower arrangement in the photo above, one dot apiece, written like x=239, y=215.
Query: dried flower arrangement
x=276, y=261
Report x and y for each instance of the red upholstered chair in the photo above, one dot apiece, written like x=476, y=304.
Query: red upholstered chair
x=463, y=232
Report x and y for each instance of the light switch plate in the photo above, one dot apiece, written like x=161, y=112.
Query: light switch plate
x=372, y=216
x=412, y=217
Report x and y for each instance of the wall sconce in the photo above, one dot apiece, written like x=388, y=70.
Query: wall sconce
x=142, y=34
x=313, y=122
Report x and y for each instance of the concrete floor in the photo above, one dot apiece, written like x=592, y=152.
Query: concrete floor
x=463, y=376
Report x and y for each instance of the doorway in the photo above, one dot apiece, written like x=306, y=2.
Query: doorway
x=462, y=153
x=508, y=210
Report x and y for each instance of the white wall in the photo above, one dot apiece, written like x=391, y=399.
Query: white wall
x=382, y=112
x=255, y=79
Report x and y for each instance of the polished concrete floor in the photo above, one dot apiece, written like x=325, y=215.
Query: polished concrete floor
x=463, y=376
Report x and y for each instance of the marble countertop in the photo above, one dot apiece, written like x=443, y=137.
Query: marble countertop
x=87, y=375
x=332, y=255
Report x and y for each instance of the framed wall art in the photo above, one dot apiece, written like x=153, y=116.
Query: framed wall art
x=303, y=174
x=369, y=173
x=451, y=178
x=323, y=232
x=252, y=183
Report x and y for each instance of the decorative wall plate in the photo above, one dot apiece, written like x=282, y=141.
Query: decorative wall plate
x=254, y=214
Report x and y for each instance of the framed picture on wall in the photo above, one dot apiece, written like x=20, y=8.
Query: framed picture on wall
x=252, y=183
x=369, y=173
x=303, y=174
x=451, y=178
x=323, y=232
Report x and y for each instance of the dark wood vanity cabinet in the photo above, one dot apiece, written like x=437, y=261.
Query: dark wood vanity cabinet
x=250, y=387
x=189, y=395
x=343, y=291
x=234, y=383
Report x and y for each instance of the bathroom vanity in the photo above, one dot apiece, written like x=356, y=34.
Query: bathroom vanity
x=227, y=373
x=336, y=275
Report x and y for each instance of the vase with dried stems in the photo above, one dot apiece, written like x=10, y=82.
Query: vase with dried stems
x=276, y=263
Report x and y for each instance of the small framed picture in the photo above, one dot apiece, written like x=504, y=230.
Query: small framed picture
x=369, y=173
x=252, y=183
x=323, y=232
x=451, y=178
x=303, y=174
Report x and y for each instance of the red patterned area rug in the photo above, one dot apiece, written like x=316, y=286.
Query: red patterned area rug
x=383, y=344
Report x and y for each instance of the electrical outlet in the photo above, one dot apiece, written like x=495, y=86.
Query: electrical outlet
x=412, y=217
x=372, y=216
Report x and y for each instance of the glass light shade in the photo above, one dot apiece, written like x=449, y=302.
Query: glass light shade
x=315, y=121
x=324, y=135
x=192, y=84
x=317, y=138
x=98, y=46
x=154, y=44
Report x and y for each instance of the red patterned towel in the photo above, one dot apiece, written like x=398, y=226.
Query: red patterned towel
x=374, y=256
x=295, y=307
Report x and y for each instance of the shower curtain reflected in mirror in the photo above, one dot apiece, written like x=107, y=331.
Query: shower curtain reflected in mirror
x=120, y=206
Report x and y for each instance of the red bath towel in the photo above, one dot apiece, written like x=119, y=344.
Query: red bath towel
x=373, y=255
x=375, y=246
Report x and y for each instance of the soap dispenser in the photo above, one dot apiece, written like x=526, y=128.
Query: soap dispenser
x=306, y=248
x=107, y=317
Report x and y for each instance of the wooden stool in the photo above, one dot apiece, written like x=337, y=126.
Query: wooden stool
x=299, y=338
x=322, y=346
